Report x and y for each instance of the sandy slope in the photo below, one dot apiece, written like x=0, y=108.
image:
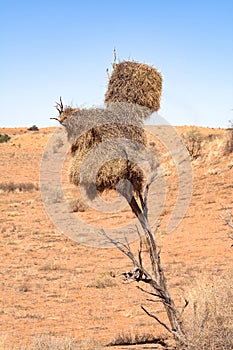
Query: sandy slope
x=52, y=285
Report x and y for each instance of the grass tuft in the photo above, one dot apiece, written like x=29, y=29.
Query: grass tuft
x=21, y=187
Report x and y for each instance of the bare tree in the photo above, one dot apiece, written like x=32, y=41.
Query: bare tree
x=156, y=280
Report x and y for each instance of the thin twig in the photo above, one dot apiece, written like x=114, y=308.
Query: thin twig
x=150, y=293
x=139, y=273
x=121, y=246
x=184, y=307
x=157, y=319
x=227, y=220
x=127, y=244
x=140, y=247
x=154, y=301
x=55, y=119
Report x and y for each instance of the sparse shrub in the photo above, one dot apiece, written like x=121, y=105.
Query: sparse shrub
x=4, y=138
x=47, y=342
x=33, y=128
x=193, y=140
x=77, y=205
x=228, y=147
x=208, y=318
x=11, y=186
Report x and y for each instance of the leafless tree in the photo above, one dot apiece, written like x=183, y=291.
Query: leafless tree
x=156, y=280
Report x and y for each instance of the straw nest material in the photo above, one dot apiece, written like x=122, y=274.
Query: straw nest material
x=135, y=83
x=104, y=133
x=98, y=173
x=108, y=145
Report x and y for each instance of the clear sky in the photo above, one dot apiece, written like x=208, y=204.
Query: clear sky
x=51, y=48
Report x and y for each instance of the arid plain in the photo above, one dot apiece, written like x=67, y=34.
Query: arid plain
x=55, y=289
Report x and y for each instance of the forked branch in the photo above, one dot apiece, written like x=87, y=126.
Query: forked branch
x=59, y=106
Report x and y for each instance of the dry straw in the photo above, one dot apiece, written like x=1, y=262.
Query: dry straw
x=108, y=145
x=135, y=83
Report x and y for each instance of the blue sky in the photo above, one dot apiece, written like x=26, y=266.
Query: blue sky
x=52, y=48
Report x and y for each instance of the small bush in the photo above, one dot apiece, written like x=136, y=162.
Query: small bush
x=4, y=138
x=193, y=140
x=77, y=205
x=33, y=128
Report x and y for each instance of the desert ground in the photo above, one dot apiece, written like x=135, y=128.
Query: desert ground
x=57, y=291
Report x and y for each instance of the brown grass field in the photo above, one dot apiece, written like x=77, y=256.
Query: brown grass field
x=57, y=294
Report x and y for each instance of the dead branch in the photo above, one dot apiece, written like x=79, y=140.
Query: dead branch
x=56, y=119
x=157, y=319
x=150, y=293
x=184, y=307
x=138, y=273
x=159, y=285
x=59, y=106
x=157, y=280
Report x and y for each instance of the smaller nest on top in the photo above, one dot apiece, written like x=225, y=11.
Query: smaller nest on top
x=135, y=83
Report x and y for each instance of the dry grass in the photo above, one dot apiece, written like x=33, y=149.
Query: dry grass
x=50, y=342
x=136, y=339
x=101, y=283
x=208, y=319
x=12, y=187
x=105, y=280
x=109, y=151
x=228, y=147
x=78, y=205
x=135, y=83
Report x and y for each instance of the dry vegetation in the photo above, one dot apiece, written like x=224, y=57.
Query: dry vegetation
x=193, y=139
x=210, y=314
x=22, y=186
x=56, y=294
x=135, y=82
x=78, y=205
x=228, y=149
x=4, y=138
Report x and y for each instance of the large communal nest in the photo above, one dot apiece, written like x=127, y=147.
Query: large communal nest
x=108, y=145
x=136, y=83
